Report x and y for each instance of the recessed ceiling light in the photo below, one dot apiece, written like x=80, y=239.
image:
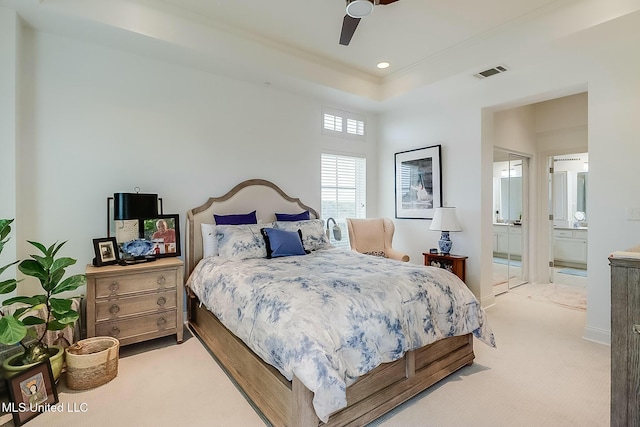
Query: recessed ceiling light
x=383, y=65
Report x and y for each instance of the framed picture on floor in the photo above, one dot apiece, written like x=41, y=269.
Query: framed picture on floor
x=418, y=176
x=32, y=392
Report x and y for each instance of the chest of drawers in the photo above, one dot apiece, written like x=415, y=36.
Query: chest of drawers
x=135, y=302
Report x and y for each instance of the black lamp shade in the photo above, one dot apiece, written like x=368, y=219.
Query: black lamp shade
x=134, y=206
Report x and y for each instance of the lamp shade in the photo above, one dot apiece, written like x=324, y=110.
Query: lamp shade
x=134, y=206
x=445, y=219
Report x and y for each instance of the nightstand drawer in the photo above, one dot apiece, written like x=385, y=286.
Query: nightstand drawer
x=154, y=324
x=119, y=285
x=132, y=306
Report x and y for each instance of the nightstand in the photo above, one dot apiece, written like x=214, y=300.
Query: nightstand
x=135, y=302
x=452, y=263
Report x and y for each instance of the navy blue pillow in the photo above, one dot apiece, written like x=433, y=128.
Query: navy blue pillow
x=302, y=216
x=282, y=243
x=236, y=219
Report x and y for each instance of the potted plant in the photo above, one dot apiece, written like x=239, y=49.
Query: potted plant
x=15, y=327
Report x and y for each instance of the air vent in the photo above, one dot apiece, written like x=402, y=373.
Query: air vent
x=490, y=72
x=567, y=159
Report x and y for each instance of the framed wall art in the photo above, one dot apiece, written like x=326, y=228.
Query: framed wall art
x=32, y=392
x=164, y=232
x=418, y=177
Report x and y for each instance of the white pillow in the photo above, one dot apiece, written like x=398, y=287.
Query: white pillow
x=209, y=241
x=241, y=241
x=313, y=236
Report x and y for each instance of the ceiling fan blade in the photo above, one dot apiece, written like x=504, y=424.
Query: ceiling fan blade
x=349, y=26
x=386, y=1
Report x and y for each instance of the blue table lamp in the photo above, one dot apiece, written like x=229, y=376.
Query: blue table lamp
x=445, y=220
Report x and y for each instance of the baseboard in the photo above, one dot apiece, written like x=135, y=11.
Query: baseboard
x=488, y=301
x=600, y=336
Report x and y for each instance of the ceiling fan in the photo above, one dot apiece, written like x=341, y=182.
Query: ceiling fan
x=357, y=9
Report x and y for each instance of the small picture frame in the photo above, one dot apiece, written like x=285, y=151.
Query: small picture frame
x=106, y=250
x=433, y=251
x=164, y=232
x=32, y=392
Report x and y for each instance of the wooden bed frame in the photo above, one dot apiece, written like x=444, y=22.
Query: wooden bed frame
x=289, y=403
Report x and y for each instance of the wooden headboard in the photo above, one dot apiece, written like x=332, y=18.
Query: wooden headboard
x=260, y=195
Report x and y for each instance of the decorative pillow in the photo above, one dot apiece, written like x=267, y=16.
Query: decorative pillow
x=282, y=243
x=302, y=216
x=209, y=241
x=376, y=253
x=313, y=237
x=241, y=241
x=236, y=219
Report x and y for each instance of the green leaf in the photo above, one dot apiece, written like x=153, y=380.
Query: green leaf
x=8, y=286
x=54, y=278
x=45, y=262
x=33, y=269
x=2, y=269
x=11, y=330
x=19, y=312
x=31, y=301
x=60, y=305
x=5, y=228
x=53, y=251
x=32, y=320
x=62, y=263
x=70, y=284
x=66, y=318
x=39, y=246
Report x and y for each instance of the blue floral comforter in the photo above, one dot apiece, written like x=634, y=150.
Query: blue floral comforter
x=334, y=315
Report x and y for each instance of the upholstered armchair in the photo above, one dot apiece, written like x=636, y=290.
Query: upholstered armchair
x=373, y=236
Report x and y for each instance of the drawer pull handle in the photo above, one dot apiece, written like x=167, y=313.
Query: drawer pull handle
x=115, y=331
x=162, y=301
x=115, y=308
x=636, y=329
x=113, y=287
x=162, y=321
x=161, y=280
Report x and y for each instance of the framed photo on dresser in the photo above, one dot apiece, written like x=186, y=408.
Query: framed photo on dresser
x=106, y=251
x=164, y=232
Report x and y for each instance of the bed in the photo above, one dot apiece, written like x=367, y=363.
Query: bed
x=360, y=386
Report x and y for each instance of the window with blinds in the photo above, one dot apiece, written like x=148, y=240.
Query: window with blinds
x=343, y=191
x=343, y=124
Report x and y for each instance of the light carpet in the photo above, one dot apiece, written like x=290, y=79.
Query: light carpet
x=542, y=374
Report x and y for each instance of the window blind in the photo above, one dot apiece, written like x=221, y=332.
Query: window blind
x=343, y=191
x=343, y=124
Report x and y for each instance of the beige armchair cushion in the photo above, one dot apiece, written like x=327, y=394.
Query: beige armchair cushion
x=373, y=236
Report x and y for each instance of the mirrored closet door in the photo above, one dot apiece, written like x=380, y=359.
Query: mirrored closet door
x=510, y=228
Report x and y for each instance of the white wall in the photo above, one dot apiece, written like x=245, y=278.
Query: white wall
x=98, y=121
x=9, y=35
x=600, y=59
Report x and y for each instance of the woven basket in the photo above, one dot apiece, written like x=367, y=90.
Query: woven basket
x=92, y=362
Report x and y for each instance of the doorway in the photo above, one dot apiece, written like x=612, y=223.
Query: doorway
x=510, y=223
